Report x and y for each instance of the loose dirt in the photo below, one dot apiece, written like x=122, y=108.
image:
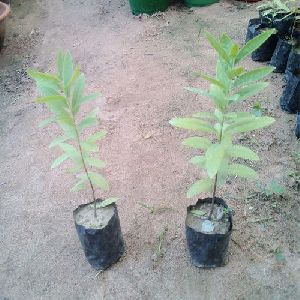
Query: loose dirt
x=141, y=65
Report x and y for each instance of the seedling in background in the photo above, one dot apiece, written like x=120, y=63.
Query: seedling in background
x=231, y=85
x=63, y=94
x=271, y=189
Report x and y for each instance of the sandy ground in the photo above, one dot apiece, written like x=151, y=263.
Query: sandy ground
x=141, y=66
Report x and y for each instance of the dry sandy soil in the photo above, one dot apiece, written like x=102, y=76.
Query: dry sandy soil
x=141, y=66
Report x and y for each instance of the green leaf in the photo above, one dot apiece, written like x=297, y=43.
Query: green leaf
x=251, y=90
x=59, y=160
x=252, y=76
x=198, y=161
x=214, y=157
x=249, y=124
x=95, y=162
x=89, y=147
x=204, y=115
x=67, y=68
x=218, y=96
x=60, y=64
x=99, y=181
x=107, y=202
x=90, y=97
x=242, y=152
x=198, y=212
x=241, y=171
x=253, y=44
x=46, y=122
x=50, y=99
x=77, y=94
x=96, y=136
x=73, y=153
x=218, y=47
x=74, y=77
x=198, y=91
x=58, y=140
x=197, y=142
x=79, y=186
x=211, y=80
x=89, y=120
x=200, y=186
x=232, y=73
x=192, y=124
x=45, y=79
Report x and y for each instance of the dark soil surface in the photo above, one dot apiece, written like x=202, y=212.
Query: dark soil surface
x=141, y=66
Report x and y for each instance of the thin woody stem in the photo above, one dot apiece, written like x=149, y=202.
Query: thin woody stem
x=214, y=197
x=82, y=158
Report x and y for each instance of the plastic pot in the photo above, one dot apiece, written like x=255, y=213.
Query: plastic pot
x=199, y=3
x=293, y=63
x=290, y=98
x=207, y=250
x=148, y=7
x=297, y=127
x=280, y=56
x=283, y=25
x=4, y=12
x=266, y=50
x=102, y=246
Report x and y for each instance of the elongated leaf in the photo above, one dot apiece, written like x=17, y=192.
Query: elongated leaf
x=251, y=90
x=99, y=181
x=226, y=41
x=90, y=97
x=211, y=80
x=89, y=147
x=50, y=99
x=198, y=212
x=46, y=122
x=249, y=124
x=198, y=91
x=200, y=186
x=45, y=90
x=67, y=68
x=95, y=162
x=253, y=44
x=79, y=186
x=58, y=140
x=204, y=115
x=198, y=161
x=60, y=64
x=74, y=77
x=77, y=94
x=197, y=142
x=236, y=72
x=60, y=160
x=192, y=124
x=218, y=47
x=252, y=76
x=241, y=171
x=96, y=136
x=214, y=157
x=89, y=120
x=107, y=202
x=218, y=96
x=44, y=79
x=73, y=153
x=242, y=152
x=221, y=74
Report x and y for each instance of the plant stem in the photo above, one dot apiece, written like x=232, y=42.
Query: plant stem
x=214, y=197
x=82, y=158
x=86, y=171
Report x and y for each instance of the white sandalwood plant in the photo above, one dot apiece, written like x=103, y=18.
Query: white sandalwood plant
x=231, y=85
x=63, y=93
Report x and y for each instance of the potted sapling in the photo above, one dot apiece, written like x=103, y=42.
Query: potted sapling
x=97, y=223
x=209, y=221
